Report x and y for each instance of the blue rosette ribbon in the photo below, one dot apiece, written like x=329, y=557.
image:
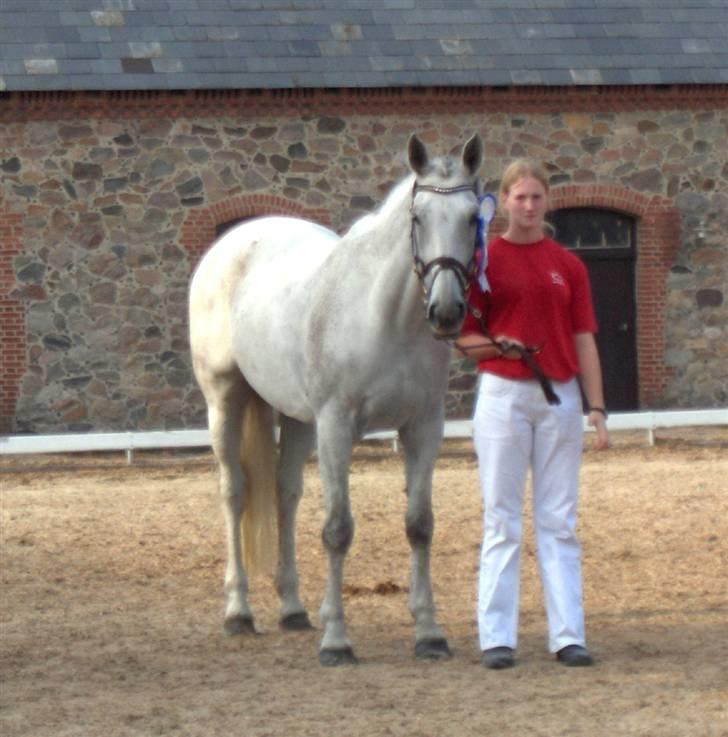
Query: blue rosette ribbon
x=486, y=211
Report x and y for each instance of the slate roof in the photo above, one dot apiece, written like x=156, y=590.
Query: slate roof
x=208, y=44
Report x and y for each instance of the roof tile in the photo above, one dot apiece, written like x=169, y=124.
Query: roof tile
x=197, y=44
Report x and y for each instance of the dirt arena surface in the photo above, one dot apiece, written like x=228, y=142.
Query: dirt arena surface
x=111, y=611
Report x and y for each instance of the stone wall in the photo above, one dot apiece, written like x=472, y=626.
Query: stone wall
x=697, y=288
x=108, y=201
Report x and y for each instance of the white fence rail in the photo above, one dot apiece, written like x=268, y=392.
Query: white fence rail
x=131, y=441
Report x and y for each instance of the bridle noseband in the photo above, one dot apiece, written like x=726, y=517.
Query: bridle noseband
x=463, y=272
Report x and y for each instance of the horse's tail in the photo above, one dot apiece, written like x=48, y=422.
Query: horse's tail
x=258, y=460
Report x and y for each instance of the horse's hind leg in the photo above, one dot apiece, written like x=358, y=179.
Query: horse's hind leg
x=225, y=402
x=421, y=442
x=296, y=443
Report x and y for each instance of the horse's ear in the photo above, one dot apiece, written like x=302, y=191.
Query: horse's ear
x=417, y=154
x=473, y=154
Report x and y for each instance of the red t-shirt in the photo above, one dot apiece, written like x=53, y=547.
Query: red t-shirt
x=539, y=295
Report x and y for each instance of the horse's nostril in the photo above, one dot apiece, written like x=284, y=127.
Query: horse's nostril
x=447, y=319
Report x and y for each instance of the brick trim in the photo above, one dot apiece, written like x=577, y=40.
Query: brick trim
x=198, y=230
x=251, y=104
x=13, y=339
x=657, y=243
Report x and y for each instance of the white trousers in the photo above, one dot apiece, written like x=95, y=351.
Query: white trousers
x=515, y=428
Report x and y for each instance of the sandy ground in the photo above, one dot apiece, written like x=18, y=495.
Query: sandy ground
x=111, y=611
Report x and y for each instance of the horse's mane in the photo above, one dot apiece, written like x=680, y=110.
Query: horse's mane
x=390, y=205
x=443, y=167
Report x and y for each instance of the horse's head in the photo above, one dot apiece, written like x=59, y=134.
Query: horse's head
x=444, y=227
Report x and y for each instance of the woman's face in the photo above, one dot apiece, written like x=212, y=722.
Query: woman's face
x=526, y=204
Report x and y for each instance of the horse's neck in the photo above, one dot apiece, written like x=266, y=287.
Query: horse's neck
x=394, y=291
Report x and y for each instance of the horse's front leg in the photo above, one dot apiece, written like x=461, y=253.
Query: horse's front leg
x=335, y=443
x=421, y=442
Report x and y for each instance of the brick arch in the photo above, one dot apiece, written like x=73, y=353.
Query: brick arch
x=13, y=338
x=658, y=238
x=198, y=229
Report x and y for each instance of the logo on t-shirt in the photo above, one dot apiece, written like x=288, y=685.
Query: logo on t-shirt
x=556, y=278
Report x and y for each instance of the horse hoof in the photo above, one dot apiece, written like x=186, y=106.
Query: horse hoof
x=435, y=648
x=239, y=625
x=339, y=656
x=296, y=621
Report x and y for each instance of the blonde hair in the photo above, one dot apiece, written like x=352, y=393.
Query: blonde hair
x=520, y=169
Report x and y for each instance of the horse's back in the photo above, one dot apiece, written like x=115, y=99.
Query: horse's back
x=265, y=252
x=260, y=240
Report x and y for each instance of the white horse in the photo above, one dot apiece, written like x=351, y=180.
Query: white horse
x=338, y=335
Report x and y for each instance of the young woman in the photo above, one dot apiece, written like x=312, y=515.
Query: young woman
x=540, y=300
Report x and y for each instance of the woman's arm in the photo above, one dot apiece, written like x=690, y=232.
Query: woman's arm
x=476, y=347
x=479, y=348
x=591, y=382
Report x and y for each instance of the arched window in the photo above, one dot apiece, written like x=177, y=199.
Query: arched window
x=589, y=228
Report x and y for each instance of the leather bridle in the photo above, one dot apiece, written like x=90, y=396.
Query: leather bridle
x=462, y=271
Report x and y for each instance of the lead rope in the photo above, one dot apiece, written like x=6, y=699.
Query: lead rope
x=525, y=353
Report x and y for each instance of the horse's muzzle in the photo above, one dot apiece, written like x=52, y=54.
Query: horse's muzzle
x=446, y=323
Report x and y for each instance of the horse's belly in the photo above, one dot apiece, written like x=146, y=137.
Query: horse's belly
x=267, y=349
x=392, y=410
x=267, y=360
x=279, y=388
x=269, y=310
x=408, y=388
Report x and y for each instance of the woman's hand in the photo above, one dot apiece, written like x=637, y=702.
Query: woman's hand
x=598, y=421
x=513, y=348
x=591, y=382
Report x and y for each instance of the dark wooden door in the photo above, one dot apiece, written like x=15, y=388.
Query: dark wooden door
x=605, y=241
x=612, y=281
